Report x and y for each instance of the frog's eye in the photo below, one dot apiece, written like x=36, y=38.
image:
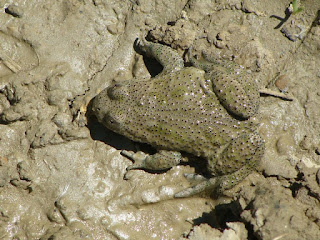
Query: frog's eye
x=118, y=92
x=114, y=120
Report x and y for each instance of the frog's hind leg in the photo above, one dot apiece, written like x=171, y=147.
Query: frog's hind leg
x=166, y=56
x=161, y=160
x=245, y=150
x=236, y=162
x=216, y=184
x=234, y=87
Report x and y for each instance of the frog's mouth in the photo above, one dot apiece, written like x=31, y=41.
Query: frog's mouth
x=113, y=122
x=100, y=105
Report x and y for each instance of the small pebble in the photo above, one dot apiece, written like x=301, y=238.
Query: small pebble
x=285, y=144
x=113, y=29
x=282, y=83
x=14, y=10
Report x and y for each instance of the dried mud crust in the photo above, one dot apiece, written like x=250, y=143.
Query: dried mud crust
x=62, y=180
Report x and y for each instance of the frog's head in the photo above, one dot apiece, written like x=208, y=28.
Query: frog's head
x=109, y=106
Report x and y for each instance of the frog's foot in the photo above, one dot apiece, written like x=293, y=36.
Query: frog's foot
x=139, y=159
x=207, y=62
x=162, y=160
x=205, y=183
x=193, y=177
x=165, y=55
x=216, y=184
x=202, y=62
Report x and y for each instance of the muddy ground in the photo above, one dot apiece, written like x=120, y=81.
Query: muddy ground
x=61, y=173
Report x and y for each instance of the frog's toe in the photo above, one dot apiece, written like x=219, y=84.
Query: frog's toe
x=192, y=177
x=162, y=160
x=142, y=43
x=189, y=53
x=198, y=188
x=138, y=42
x=138, y=158
x=200, y=61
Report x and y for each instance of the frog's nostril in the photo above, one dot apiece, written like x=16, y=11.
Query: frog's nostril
x=116, y=85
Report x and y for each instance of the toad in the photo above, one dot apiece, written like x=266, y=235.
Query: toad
x=203, y=110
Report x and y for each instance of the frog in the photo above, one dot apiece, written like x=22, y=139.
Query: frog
x=204, y=110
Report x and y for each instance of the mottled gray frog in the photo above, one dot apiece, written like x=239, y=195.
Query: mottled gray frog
x=202, y=110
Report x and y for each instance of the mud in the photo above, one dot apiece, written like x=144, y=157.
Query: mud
x=61, y=173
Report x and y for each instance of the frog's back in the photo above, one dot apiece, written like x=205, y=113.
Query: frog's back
x=174, y=112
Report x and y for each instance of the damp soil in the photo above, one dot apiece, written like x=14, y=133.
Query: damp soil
x=61, y=173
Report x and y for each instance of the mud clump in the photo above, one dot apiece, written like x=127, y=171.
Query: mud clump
x=61, y=173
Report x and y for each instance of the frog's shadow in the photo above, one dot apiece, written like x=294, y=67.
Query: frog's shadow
x=221, y=214
x=99, y=132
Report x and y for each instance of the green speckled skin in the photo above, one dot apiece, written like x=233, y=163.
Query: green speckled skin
x=201, y=112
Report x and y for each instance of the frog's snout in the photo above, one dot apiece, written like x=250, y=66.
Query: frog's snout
x=106, y=106
x=96, y=106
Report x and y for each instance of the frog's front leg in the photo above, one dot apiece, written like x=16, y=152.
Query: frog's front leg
x=166, y=56
x=235, y=88
x=161, y=160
